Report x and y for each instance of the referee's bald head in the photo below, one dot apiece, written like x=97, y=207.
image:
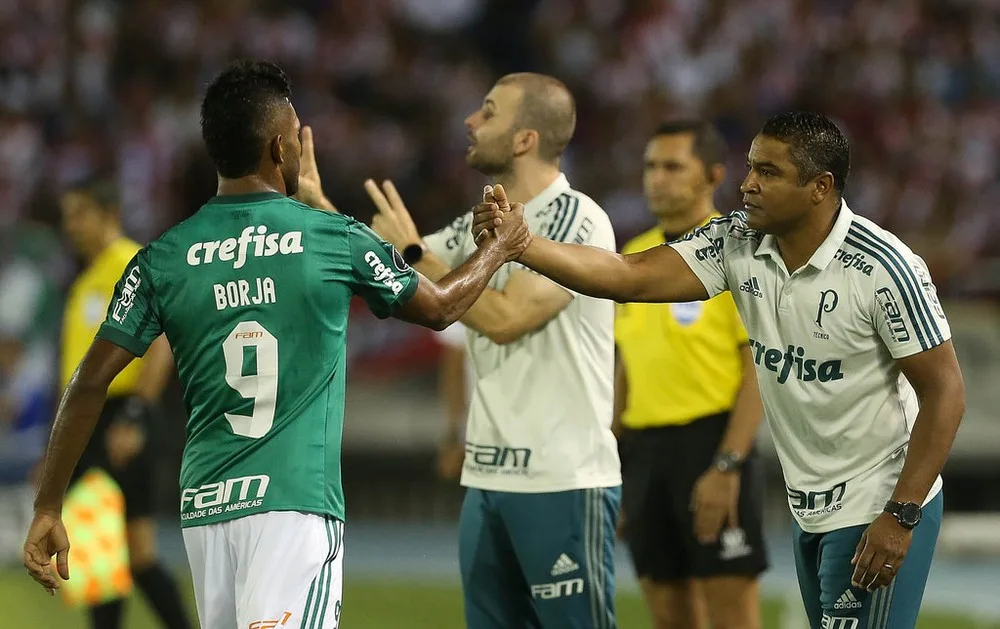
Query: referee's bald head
x=548, y=108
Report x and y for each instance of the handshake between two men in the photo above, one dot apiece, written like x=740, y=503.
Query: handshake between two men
x=497, y=218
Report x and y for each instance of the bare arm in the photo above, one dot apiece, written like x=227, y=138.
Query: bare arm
x=527, y=302
x=937, y=379
x=76, y=417
x=452, y=387
x=657, y=275
x=157, y=367
x=621, y=395
x=438, y=305
x=747, y=411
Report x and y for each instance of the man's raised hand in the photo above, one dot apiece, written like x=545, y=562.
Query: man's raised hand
x=392, y=221
x=310, y=189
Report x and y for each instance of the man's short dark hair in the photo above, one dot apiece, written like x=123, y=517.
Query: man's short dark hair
x=548, y=107
x=236, y=114
x=708, y=145
x=103, y=191
x=815, y=145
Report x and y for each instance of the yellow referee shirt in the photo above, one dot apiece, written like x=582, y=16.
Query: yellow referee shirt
x=86, y=309
x=682, y=361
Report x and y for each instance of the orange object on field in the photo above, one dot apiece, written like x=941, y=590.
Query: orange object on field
x=94, y=515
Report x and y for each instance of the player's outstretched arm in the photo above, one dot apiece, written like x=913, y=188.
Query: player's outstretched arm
x=76, y=417
x=657, y=275
x=438, y=304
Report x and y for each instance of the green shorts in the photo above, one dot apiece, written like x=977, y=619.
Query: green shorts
x=823, y=566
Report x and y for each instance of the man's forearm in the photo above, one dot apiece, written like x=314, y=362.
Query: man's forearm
x=157, y=365
x=620, y=396
x=581, y=268
x=930, y=442
x=744, y=418
x=453, y=390
x=490, y=315
x=78, y=413
x=459, y=289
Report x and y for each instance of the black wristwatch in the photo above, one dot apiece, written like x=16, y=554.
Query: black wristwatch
x=412, y=254
x=728, y=462
x=908, y=514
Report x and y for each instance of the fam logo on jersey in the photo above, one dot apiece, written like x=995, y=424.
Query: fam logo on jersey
x=856, y=261
x=232, y=494
x=794, y=361
x=129, y=286
x=838, y=622
x=807, y=504
x=382, y=273
x=497, y=459
x=559, y=589
x=893, y=316
x=236, y=250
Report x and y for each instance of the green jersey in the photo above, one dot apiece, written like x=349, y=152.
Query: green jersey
x=253, y=293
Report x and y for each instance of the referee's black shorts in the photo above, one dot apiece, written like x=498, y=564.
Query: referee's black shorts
x=136, y=478
x=659, y=469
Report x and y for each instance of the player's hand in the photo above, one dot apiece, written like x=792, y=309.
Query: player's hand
x=513, y=233
x=122, y=442
x=47, y=537
x=450, y=459
x=488, y=215
x=392, y=221
x=715, y=504
x=310, y=189
x=880, y=553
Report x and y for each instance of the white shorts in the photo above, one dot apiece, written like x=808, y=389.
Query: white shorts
x=267, y=571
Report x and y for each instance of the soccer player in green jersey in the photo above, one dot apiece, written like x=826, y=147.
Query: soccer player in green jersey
x=252, y=293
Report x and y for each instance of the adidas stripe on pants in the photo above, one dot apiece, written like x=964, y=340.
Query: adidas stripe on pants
x=823, y=566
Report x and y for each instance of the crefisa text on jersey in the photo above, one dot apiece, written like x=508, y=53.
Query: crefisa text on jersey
x=255, y=241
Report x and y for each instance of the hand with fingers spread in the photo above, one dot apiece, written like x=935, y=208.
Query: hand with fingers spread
x=511, y=232
x=392, y=221
x=47, y=537
x=880, y=553
x=310, y=189
x=715, y=504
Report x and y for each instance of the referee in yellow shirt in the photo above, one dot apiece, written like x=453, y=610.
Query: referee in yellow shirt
x=686, y=411
x=90, y=214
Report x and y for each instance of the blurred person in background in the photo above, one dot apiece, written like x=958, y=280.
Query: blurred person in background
x=264, y=538
x=121, y=444
x=454, y=382
x=536, y=531
x=686, y=412
x=27, y=372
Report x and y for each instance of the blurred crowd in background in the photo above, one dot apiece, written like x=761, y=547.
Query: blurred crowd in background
x=103, y=88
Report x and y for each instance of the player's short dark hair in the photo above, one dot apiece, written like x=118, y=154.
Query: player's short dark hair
x=236, y=113
x=708, y=144
x=815, y=145
x=103, y=191
x=547, y=106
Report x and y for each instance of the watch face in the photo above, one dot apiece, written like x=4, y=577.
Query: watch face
x=411, y=255
x=909, y=513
